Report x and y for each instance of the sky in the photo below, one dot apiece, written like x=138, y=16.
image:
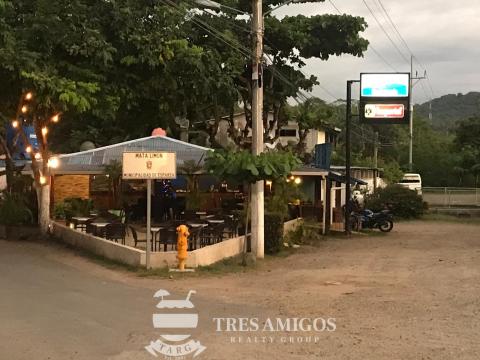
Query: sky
x=443, y=35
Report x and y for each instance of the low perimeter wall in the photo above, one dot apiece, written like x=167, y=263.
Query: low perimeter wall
x=135, y=257
x=99, y=246
x=291, y=225
x=201, y=257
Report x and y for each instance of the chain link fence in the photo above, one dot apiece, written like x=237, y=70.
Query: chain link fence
x=451, y=196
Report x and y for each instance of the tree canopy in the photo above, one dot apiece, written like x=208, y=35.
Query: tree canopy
x=118, y=69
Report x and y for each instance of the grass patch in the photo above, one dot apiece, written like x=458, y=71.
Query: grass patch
x=226, y=266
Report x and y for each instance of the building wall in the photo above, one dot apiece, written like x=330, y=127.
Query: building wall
x=315, y=137
x=65, y=186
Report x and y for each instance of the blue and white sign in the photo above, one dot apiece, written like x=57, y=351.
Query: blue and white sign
x=387, y=85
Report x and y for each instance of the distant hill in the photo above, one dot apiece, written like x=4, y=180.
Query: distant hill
x=446, y=110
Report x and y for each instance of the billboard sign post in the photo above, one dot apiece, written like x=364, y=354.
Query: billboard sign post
x=149, y=165
x=385, y=98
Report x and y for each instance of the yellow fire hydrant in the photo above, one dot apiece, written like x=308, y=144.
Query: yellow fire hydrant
x=182, y=246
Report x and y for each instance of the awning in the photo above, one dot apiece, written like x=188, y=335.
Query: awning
x=341, y=178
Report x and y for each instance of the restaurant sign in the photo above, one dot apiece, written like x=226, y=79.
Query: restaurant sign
x=385, y=111
x=149, y=165
x=385, y=98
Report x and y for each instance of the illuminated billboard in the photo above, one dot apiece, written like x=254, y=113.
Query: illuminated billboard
x=385, y=98
x=388, y=85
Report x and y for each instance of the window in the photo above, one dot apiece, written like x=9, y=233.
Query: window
x=409, y=181
x=288, y=132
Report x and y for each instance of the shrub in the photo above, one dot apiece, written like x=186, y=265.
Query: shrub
x=405, y=203
x=14, y=210
x=283, y=194
x=59, y=211
x=75, y=207
x=273, y=232
x=305, y=233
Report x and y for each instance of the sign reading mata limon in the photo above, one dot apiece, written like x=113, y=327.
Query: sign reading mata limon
x=149, y=165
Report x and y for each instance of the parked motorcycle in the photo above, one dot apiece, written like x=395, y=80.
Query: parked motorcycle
x=367, y=219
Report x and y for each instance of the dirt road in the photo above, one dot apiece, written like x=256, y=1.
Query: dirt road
x=413, y=294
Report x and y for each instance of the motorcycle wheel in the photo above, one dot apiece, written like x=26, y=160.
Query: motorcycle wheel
x=386, y=226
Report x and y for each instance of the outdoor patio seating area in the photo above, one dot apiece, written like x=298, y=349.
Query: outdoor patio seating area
x=206, y=228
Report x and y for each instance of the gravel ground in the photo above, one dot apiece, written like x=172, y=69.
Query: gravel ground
x=412, y=294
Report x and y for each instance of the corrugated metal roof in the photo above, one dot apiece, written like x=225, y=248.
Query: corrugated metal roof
x=93, y=161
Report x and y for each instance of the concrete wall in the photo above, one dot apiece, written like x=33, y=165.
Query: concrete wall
x=291, y=225
x=201, y=257
x=135, y=257
x=99, y=246
x=65, y=186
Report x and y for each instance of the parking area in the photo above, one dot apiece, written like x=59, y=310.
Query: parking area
x=411, y=294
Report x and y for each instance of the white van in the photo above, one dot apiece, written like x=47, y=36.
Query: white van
x=412, y=182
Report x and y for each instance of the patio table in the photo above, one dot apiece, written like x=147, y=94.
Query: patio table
x=79, y=221
x=98, y=226
x=193, y=225
x=213, y=221
x=155, y=231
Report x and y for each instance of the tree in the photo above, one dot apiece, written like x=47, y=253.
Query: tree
x=476, y=172
x=288, y=42
x=242, y=167
x=114, y=173
x=314, y=113
x=30, y=111
x=192, y=169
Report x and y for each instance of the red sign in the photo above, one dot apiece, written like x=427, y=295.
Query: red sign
x=384, y=111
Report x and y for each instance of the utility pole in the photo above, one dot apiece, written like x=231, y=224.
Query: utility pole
x=257, y=199
x=375, y=150
x=348, y=120
x=410, y=152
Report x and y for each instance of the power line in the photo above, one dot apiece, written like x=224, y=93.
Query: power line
x=402, y=39
x=335, y=6
x=385, y=32
x=395, y=27
x=211, y=30
x=371, y=47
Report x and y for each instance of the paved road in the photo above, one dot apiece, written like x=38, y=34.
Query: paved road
x=413, y=294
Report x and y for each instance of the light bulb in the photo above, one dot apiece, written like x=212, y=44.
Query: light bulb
x=53, y=162
x=38, y=156
x=43, y=180
x=28, y=149
x=24, y=109
x=298, y=180
x=14, y=124
x=55, y=118
x=44, y=131
x=28, y=96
